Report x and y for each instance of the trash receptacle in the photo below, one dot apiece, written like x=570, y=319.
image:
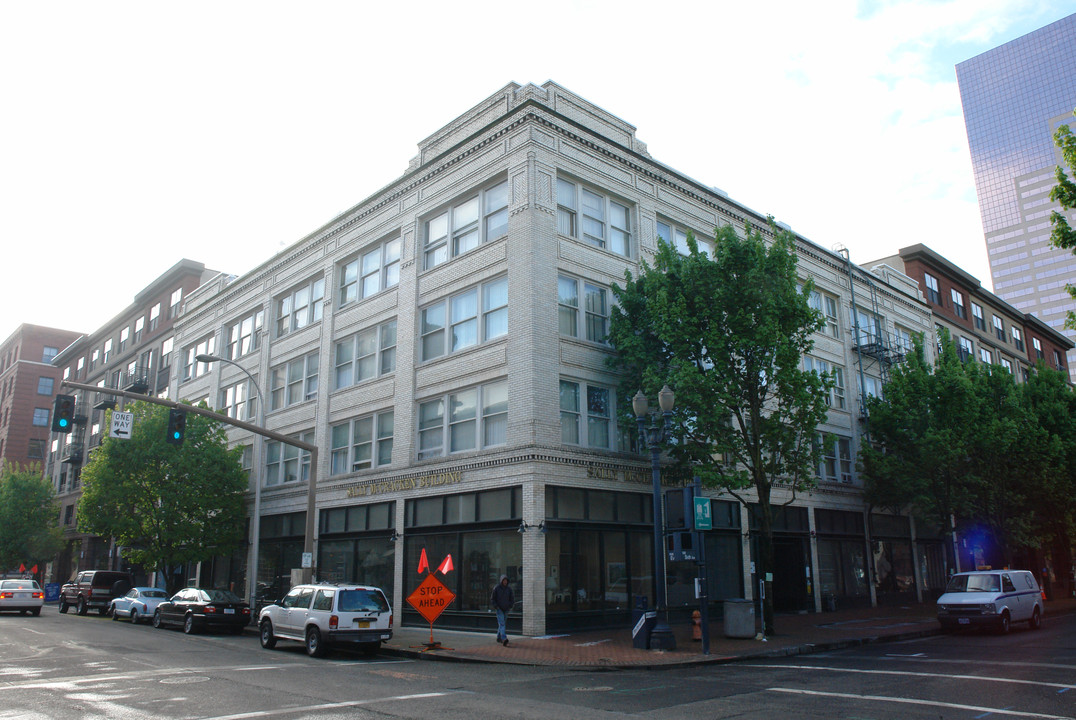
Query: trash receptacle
x=642, y=623
x=739, y=619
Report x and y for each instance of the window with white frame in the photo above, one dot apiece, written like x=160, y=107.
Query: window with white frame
x=593, y=217
x=1035, y=343
x=95, y=358
x=81, y=365
x=125, y=336
x=827, y=305
x=242, y=335
x=872, y=386
x=958, y=303
x=1006, y=363
x=294, y=382
x=173, y=303
x=677, y=237
x=366, y=355
x=480, y=218
x=300, y=307
x=376, y=269
x=286, y=463
x=140, y=325
x=48, y=353
x=41, y=417
x=999, y=328
x=823, y=368
x=1059, y=360
x=478, y=314
x=470, y=419
x=362, y=443
x=868, y=325
x=964, y=350
x=236, y=401
x=45, y=385
x=933, y=293
x=902, y=339
x=594, y=325
x=107, y=354
x=586, y=415
x=836, y=462
x=977, y=316
x=985, y=357
x=1017, y=338
x=154, y=317
x=193, y=368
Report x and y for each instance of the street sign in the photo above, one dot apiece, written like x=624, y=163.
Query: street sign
x=430, y=598
x=308, y=560
x=703, y=519
x=122, y=422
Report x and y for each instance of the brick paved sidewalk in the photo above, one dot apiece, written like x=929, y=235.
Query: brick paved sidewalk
x=796, y=634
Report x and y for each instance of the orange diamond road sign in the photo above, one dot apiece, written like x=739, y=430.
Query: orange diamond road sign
x=431, y=598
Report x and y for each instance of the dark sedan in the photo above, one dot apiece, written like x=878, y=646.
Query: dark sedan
x=198, y=609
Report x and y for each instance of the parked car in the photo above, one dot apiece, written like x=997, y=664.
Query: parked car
x=138, y=604
x=991, y=598
x=23, y=596
x=197, y=609
x=94, y=589
x=323, y=615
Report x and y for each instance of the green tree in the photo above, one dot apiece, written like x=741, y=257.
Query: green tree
x=165, y=504
x=1062, y=235
x=29, y=517
x=728, y=334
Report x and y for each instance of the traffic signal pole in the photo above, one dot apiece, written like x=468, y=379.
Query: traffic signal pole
x=311, y=494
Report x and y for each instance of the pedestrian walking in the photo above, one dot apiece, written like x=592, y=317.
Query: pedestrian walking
x=502, y=599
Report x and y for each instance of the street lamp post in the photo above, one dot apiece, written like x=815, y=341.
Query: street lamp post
x=255, y=524
x=661, y=638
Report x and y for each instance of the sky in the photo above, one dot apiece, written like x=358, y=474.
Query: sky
x=136, y=134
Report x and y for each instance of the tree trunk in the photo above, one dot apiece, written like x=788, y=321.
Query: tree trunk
x=765, y=555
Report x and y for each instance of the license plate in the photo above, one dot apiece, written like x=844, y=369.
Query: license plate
x=963, y=621
x=363, y=623
x=229, y=611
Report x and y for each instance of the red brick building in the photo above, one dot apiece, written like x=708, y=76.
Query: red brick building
x=28, y=384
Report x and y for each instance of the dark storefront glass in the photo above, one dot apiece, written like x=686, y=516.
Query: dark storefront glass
x=891, y=547
x=280, y=550
x=842, y=558
x=357, y=545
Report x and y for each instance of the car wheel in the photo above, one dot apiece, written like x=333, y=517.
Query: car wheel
x=1003, y=624
x=156, y=618
x=188, y=625
x=314, y=646
x=266, y=636
x=35, y=612
x=80, y=607
x=23, y=612
x=1036, y=620
x=134, y=616
x=63, y=606
x=115, y=615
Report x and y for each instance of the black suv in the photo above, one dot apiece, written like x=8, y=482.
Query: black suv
x=94, y=589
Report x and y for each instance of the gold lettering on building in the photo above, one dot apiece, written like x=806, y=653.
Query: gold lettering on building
x=405, y=484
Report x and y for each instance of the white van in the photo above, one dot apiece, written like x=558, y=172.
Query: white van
x=994, y=598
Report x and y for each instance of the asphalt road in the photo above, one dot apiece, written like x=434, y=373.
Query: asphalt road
x=64, y=667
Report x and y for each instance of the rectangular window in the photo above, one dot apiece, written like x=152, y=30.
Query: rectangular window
x=236, y=402
x=595, y=322
x=284, y=462
x=125, y=336
x=958, y=303
x=451, y=325
x=45, y=385
x=300, y=307
x=294, y=382
x=872, y=386
x=107, y=351
x=41, y=417
x=965, y=350
x=977, y=316
x=903, y=339
x=36, y=450
x=999, y=328
x=377, y=269
x=1017, y=338
x=836, y=396
x=140, y=325
x=466, y=420
x=95, y=358
x=362, y=443
x=1038, y=348
x=836, y=462
x=466, y=225
x=1006, y=363
x=868, y=327
x=985, y=357
x=593, y=217
x=192, y=368
x=933, y=294
x=48, y=353
x=597, y=415
x=366, y=355
x=154, y=317
x=243, y=334
x=1059, y=361
x=827, y=305
x=173, y=304
x=677, y=237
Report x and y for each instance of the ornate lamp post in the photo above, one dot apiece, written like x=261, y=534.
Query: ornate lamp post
x=661, y=638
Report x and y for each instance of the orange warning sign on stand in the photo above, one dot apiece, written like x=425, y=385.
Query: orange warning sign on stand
x=431, y=598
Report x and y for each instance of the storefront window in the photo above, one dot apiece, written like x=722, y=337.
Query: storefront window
x=487, y=556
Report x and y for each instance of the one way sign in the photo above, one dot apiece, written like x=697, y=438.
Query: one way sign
x=121, y=425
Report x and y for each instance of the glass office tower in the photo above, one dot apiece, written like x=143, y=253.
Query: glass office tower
x=1014, y=97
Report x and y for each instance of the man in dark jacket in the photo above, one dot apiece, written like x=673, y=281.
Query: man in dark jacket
x=502, y=599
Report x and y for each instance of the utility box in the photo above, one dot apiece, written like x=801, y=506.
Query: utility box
x=739, y=619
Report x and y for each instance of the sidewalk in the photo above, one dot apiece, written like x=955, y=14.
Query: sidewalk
x=612, y=648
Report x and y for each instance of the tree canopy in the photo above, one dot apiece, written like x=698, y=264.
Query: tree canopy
x=727, y=333
x=29, y=518
x=165, y=504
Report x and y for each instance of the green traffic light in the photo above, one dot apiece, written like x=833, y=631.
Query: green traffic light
x=63, y=422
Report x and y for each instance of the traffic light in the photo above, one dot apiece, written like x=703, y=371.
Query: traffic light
x=177, y=426
x=63, y=413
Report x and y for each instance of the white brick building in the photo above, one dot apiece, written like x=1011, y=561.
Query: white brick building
x=441, y=343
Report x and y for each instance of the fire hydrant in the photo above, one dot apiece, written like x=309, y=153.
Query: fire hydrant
x=696, y=626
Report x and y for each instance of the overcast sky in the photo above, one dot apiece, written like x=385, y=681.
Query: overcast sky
x=134, y=134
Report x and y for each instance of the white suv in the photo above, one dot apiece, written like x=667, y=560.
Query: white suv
x=996, y=598
x=323, y=615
